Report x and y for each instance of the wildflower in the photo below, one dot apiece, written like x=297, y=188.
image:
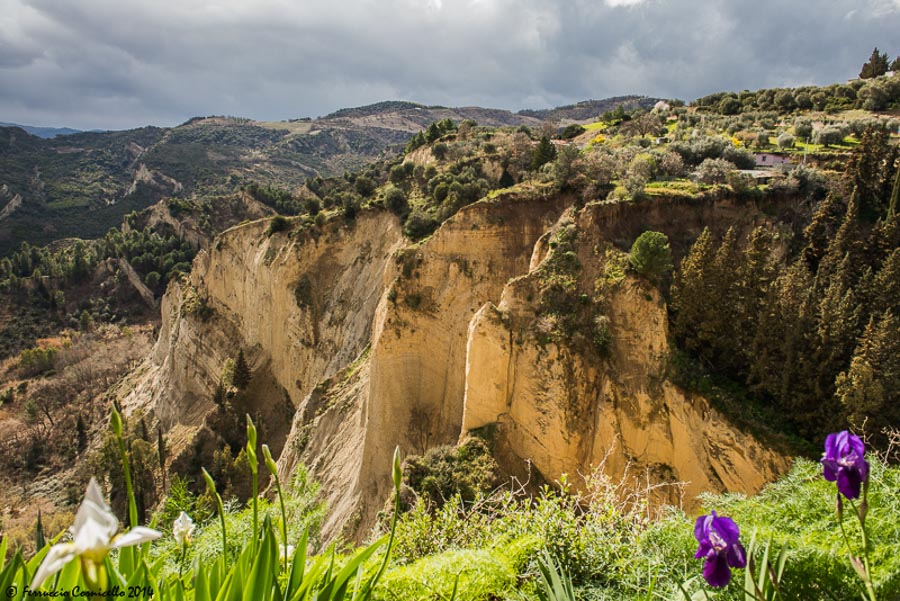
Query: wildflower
x=719, y=544
x=843, y=462
x=183, y=529
x=285, y=553
x=93, y=536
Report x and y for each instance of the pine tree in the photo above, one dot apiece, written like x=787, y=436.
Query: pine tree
x=870, y=389
x=719, y=329
x=885, y=295
x=543, y=153
x=844, y=245
x=882, y=240
x=433, y=132
x=783, y=368
x=870, y=172
x=690, y=297
x=820, y=231
x=876, y=66
x=219, y=396
x=837, y=329
x=242, y=373
x=754, y=276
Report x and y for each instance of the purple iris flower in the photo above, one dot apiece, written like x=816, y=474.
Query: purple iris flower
x=843, y=461
x=719, y=544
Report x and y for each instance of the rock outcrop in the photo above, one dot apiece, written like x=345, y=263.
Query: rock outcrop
x=378, y=343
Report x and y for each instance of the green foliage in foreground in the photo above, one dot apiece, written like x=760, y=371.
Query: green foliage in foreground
x=304, y=515
x=613, y=551
x=499, y=548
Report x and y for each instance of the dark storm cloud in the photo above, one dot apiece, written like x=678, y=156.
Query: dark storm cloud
x=108, y=63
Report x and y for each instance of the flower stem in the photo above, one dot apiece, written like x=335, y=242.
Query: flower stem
x=284, y=539
x=181, y=564
x=220, y=507
x=396, y=475
x=116, y=424
x=867, y=578
x=254, y=473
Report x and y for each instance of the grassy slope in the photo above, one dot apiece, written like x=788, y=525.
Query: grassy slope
x=616, y=553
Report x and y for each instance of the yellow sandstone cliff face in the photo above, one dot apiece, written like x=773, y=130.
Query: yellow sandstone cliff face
x=301, y=306
x=378, y=344
x=551, y=406
x=554, y=402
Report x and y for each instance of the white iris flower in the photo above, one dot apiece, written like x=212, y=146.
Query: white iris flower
x=93, y=536
x=183, y=529
x=285, y=553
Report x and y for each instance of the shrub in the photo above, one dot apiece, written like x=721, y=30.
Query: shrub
x=573, y=130
x=439, y=151
x=440, y=192
x=785, y=140
x=468, y=470
x=602, y=337
x=350, y=206
x=651, y=255
x=829, y=136
x=36, y=360
x=400, y=172
x=730, y=106
x=395, y=201
x=803, y=129
x=741, y=157
x=278, y=223
x=714, y=171
x=312, y=206
x=419, y=224
x=364, y=186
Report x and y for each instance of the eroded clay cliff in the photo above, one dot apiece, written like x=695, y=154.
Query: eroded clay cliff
x=378, y=343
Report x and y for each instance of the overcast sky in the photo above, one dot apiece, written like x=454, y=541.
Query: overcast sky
x=126, y=63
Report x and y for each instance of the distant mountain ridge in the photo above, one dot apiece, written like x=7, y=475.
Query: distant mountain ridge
x=590, y=109
x=80, y=184
x=43, y=132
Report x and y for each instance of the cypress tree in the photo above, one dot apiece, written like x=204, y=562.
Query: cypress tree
x=820, y=231
x=870, y=389
x=782, y=369
x=242, y=373
x=720, y=327
x=39, y=541
x=690, y=292
x=870, y=170
x=885, y=295
x=844, y=245
x=80, y=433
x=754, y=276
x=837, y=329
x=219, y=396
